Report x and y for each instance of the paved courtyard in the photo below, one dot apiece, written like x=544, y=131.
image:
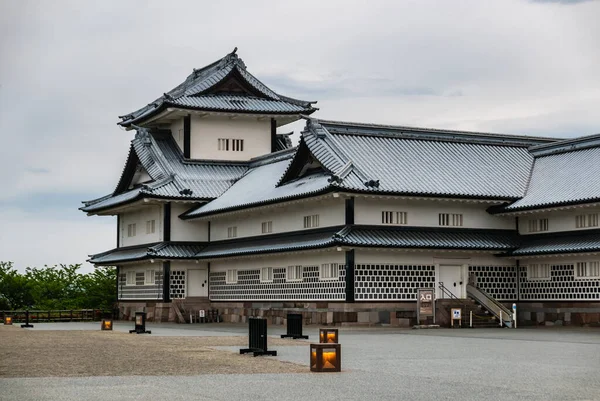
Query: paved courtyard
x=377, y=363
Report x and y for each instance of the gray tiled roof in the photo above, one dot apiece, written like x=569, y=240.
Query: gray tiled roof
x=294, y=242
x=423, y=163
x=419, y=237
x=173, y=178
x=563, y=178
x=161, y=250
x=259, y=186
x=194, y=93
x=558, y=243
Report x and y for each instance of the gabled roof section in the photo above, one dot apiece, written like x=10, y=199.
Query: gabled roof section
x=259, y=187
x=172, y=176
x=224, y=85
x=158, y=250
x=564, y=173
x=424, y=162
x=559, y=243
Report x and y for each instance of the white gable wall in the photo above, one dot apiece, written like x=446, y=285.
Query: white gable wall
x=177, y=132
x=425, y=213
x=139, y=217
x=181, y=230
x=288, y=218
x=205, y=132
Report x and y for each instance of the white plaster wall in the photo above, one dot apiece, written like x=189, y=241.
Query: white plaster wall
x=288, y=218
x=301, y=258
x=177, y=132
x=558, y=220
x=186, y=230
x=141, y=267
x=140, y=177
x=205, y=132
x=425, y=213
x=139, y=217
x=365, y=256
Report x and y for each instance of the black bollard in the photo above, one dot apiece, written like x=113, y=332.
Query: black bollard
x=26, y=325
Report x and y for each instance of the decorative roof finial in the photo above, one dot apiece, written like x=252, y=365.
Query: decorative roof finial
x=234, y=50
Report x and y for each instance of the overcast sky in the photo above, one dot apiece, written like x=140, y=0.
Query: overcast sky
x=69, y=68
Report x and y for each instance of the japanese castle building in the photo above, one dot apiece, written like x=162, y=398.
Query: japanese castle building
x=215, y=209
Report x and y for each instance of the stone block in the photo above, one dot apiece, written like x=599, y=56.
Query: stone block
x=539, y=317
x=403, y=322
x=567, y=316
x=384, y=317
x=558, y=323
x=548, y=323
x=363, y=317
x=374, y=317
x=328, y=318
x=526, y=315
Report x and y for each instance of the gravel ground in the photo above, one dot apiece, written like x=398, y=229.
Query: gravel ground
x=31, y=353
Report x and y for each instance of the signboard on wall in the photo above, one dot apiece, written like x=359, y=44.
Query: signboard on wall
x=425, y=304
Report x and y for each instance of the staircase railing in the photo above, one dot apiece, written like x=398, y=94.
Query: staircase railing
x=488, y=302
x=447, y=293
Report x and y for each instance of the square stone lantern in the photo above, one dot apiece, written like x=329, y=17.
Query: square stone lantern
x=325, y=357
x=329, y=336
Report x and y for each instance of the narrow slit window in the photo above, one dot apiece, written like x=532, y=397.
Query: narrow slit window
x=538, y=271
x=294, y=273
x=131, y=230
x=266, y=274
x=231, y=276
x=391, y=217
x=150, y=277
x=311, y=221
x=537, y=225
x=130, y=278
x=150, y=226
x=586, y=270
x=329, y=271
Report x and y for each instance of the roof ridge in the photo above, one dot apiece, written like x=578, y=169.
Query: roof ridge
x=435, y=133
x=566, y=145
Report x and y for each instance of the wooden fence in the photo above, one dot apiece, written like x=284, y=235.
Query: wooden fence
x=74, y=315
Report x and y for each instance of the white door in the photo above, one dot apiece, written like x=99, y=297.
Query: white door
x=451, y=276
x=197, y=283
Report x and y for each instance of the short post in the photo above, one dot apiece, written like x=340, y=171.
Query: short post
x=257, y=337
x=294, y=326
x=202, y=315
x=26, y=325
x=501, y=320
x=455, y=314
x=515, y=315
x=140, y=324
x=471, y=319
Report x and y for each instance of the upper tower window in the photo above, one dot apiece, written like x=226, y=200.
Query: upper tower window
x=450, y=219
x=537, y=225
x=233, y=145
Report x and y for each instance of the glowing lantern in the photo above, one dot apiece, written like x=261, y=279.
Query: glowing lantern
x=8, y=320
x=329, y=336
x=106, y=324
x=325, y=357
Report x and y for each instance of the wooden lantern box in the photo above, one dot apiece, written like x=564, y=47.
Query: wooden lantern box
x=107, y=324
x=325, y=357
x=329, y=336
x=8, y=320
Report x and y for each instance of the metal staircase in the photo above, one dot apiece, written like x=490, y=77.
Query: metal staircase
x=501, y=312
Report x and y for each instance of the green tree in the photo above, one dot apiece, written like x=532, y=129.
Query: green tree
x=15, y=289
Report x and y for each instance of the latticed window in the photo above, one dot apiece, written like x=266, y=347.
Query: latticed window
x=329, y=271
x=586, y=220
x=587, y=270
x=293, y=273
x=266, y=274
x=130, y=278
x=390, y=217
x=131, y=230
x=150, y=226
x=228, y=144
x=311, y=221
x=267, y=227
x=538, y=225
x=538, y=271
x=150, y=277
x=451, y=219
x=231, y=277
x=232, y=232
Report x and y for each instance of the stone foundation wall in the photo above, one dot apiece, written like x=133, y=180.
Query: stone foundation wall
x=155, y=311
x=398, y=314
x=558, y=313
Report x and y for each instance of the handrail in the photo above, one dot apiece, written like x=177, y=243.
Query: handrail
x=489, y=303
x=446, y=291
